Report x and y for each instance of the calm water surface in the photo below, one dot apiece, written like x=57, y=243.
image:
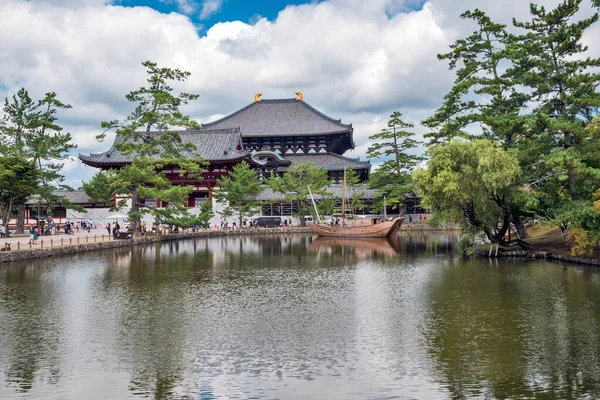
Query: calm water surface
x=293, y=317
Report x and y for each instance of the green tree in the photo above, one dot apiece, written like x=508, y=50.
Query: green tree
x=392, y=179
x=294, y=186
x=238, y=191
x=485, y=101
x=202, y=219
x=468, y=182
x=562, y=162
x=19, y=179
x=484, y=95
x=30, y=129
x=150, y=135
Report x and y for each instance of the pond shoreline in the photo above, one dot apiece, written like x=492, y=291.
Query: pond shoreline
x=539, y=255
x=70, y=249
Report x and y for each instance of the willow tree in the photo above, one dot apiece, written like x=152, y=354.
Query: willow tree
x=393, y=145
x=470, y=182
x=150, y=134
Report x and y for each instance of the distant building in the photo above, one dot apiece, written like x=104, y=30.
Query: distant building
x=271, y=135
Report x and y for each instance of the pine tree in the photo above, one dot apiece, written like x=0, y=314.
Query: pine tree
x=30, y=129
x=150, y=133
x=564, y=158
x=392, y=179
x=484, y=95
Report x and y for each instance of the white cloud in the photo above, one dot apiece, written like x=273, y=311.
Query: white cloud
x=352, y=59
x=187, y=7
x=209, y=7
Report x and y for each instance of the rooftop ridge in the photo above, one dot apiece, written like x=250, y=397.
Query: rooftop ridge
x=275, y=101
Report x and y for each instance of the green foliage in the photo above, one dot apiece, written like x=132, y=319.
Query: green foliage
x=392, y=179
x=533, y=93
x=466, y=244
x=294, y=186
x=239, y=191
x=205, y=215
x=150, y=133
x=484, y=94
x=30, y=129
x=19, y=180
x=470, y=182
x=202, y=219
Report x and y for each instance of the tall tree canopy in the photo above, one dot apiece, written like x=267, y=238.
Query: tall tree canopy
x=150, y=133
x=30, y=129
x=484, y=95
x=392, y=145
x=561, y=158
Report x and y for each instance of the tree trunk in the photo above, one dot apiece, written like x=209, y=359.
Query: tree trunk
x=20, y=220
x=301, y=214
x=520, y=226
x=6, y=220
x=135, y=207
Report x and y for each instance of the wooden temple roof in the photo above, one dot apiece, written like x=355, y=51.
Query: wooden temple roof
x=281, y=117
x=214, y=145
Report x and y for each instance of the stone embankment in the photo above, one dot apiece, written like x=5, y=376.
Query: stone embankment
x=35, y=253
x=540, y=255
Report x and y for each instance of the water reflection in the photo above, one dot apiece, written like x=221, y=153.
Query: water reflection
x=298, y=317
x=365, y=248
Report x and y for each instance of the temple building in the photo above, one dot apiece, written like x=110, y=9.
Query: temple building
x=271, y=135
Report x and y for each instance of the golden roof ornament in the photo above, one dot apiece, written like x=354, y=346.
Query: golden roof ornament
x=257, y=96
x=300, y=96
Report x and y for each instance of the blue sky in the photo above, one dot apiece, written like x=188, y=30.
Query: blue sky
x=230, y=10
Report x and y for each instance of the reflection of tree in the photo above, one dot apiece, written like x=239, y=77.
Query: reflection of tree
x=153, y=310
x=30, y=334
x=507, y=332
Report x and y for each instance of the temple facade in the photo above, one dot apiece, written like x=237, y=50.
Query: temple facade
x=271, y=135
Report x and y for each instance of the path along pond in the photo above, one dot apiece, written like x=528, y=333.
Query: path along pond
x=298, y=317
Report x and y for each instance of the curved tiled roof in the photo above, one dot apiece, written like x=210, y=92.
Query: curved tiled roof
x=329, y=161
x=280, y=117
x=335, y=190
x=213, y=145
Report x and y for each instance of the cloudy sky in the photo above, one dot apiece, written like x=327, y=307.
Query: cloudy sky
x=358, y=60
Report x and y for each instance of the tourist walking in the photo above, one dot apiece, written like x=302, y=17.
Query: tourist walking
x=2, y=231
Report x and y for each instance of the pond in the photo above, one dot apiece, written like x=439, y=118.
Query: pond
x=298, y=317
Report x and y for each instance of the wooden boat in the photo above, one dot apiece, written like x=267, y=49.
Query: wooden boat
x=352, y=227
x=359, y=228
